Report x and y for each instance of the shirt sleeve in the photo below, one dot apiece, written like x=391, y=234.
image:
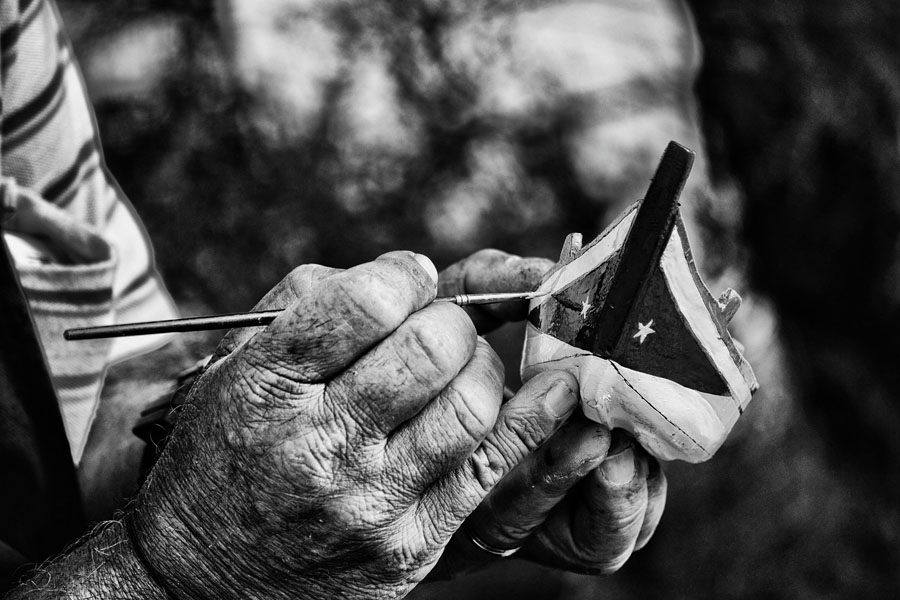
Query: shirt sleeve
x=50, y=150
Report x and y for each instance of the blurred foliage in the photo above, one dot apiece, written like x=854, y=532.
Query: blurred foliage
x=800, y=106
x=361, y=129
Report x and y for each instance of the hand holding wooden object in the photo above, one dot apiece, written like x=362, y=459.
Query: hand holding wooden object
x=631, y=318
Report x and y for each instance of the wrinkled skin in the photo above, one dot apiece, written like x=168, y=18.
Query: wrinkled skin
x=585, y=500
x=576, y=503
x=338, y=450
x=335, y=452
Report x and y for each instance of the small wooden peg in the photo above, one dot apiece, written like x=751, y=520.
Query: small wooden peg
x=729, y=303
x=571, y=248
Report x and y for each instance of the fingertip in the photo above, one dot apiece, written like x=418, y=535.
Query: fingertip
x=559, y=390
x=627, y=463
x=573, y=452
x=546, y=380
x=422, y=263
x=607, y=517
x=619, y=469
x=560, y=400
x=533, y=270
x=600, y=440
x=492, y=270
x=429, y=267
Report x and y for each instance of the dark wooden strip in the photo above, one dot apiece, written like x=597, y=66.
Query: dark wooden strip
x=641, y=252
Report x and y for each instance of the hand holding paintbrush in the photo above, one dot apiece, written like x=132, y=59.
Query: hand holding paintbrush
x=482, y=273
x=249, y=319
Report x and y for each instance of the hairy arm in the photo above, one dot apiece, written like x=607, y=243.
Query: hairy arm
x=102, y=565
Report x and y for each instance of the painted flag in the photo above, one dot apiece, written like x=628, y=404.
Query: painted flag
x=646, y=339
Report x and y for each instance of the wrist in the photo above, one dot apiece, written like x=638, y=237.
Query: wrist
x=172, y=542
x=186, y=524
x=102, y=565
x=204, y=534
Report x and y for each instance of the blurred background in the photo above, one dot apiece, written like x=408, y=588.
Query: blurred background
x=255, y=135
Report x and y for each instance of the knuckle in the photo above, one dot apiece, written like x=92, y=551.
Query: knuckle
x=294, y=280
x=451, y=318
x=412, y=547
x=441, y=512
x=366, y=302
x=445, y=343
x=523, y=432
x=368, y=511
x=299, y=281
x=429, y=533
x=487, y=467
x=401, y=473
x=313, y=462
x=473, y=411
x=435, y=354
x=493, y=366
x=268, y=380
x=357, y=397
x=519, y=436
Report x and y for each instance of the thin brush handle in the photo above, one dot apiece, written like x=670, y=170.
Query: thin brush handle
x=247, y=319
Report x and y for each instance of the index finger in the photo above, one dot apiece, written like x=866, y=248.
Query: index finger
x=494, y=271
x=348, y=313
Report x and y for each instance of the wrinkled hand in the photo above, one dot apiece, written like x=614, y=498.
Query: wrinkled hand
x=585, y=500
x=335, y=452
x=577, y=504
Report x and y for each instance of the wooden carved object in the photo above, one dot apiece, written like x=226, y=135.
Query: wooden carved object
x=631, y=318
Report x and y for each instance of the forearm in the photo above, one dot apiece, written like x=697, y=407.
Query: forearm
x=102, y=566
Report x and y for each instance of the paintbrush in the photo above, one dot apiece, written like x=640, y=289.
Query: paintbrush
x=250, y=319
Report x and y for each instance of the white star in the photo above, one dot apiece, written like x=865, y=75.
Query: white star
x=644, y=331
x=585, y=307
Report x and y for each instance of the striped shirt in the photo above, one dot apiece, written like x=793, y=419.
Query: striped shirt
x=62, y=199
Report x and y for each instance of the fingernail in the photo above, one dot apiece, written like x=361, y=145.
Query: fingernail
x=597, y=447
x=427, y=265
x=560, y=400
x=619, y=469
